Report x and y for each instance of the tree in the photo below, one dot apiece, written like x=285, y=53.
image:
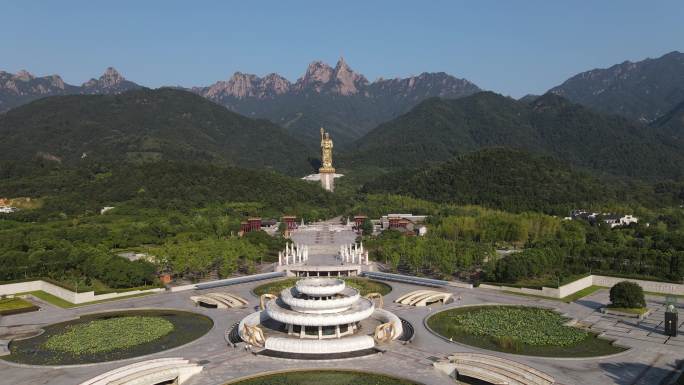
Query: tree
x=627, y=294
x=367, y=227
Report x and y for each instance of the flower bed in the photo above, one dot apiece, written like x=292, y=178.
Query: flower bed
x=323, y=377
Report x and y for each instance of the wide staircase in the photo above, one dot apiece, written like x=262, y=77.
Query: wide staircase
x=407, y=331
x=492, y=369
x=150, y=372
x=232, y=335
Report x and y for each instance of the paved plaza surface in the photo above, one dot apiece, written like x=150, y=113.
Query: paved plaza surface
x=651, y=360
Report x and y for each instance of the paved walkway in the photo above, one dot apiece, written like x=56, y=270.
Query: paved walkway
x=651, y=360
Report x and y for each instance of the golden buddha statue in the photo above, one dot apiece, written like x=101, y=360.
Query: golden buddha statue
x=326, y=153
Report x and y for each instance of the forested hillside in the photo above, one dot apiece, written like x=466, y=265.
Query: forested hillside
x=186, y=214
x=165, y=184
x=501, y=178
x=515, y=180
x=439, y=129
x=146, y=125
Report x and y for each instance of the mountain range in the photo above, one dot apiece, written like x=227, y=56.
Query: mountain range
x=23, y=87
x=349, y=106
x=643, y=90
x=439, y=129
x=390, y=124
x=146, y=125
x=337, y=98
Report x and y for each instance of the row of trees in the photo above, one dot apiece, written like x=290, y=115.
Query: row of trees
x=542, y=249
x=431, y=255
x=76, y=265
x=82, y=251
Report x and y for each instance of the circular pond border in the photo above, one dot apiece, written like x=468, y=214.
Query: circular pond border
x=237, y=381
x=628, y=349
x=127, y=311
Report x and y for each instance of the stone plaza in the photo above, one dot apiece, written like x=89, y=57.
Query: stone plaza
x=651, y=357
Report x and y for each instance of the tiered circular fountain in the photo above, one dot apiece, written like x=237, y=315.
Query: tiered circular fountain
x=319, y=316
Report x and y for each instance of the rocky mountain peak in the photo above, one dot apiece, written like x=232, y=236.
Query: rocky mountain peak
x=242, y=85
x=348, y=81
x=24, y=75
x=317, y=76
x=275, y=83
x=111, y=82
x=111, y=77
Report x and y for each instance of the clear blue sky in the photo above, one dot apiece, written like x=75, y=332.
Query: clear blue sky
x=509, y=47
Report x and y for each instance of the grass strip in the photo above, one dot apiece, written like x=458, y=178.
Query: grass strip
x=14, y=304
x=59, y=302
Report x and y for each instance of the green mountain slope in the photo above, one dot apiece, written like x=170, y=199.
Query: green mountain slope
x=671, y=125
x=164, y=184
x=439, y=129
x=501, y=178
x=146, y=125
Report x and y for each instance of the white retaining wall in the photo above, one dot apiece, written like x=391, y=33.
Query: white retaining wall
x=65, y=294
x=591, y=280
x=653, y=286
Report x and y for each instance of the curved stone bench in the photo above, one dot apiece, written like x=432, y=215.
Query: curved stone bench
x=220, y=300
x=493, y=369
x=148, y=372
x=423, y=297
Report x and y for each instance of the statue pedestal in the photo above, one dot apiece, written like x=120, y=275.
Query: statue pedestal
x=328, y=180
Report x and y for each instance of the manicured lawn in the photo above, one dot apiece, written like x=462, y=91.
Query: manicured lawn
x=582, y=293
x=54, y=300
x=519, y=330
x=629, y=310
x=14, y=304
x=570, y=298
x=324, y=377
x=105, y=335
x=363, y=285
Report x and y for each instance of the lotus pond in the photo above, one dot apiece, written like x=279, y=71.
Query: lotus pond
x=324, y=377
x=110, y=336
x=519, y=330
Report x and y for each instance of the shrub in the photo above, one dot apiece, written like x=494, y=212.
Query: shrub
x=627, y=294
